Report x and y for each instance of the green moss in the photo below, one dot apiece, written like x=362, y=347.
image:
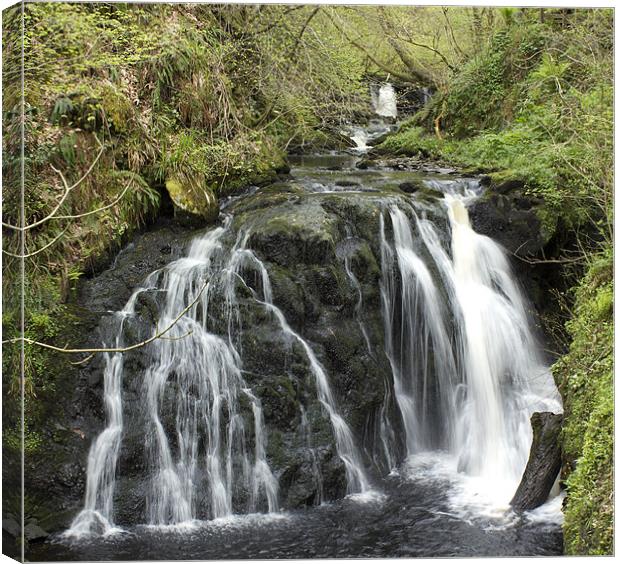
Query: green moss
x=585, y=378
x=193, y=199
x=411, y=141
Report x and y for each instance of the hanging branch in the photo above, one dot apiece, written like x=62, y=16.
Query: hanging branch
x=53, y=215
x=28, y=255
x=94, y=351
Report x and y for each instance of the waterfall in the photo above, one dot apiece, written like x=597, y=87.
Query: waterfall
x=417, y=341
x=506, y=380
x=360, y=137
x=466, y=374
x=97, y=515
x=384, y=101
x=470, y=391
x=210, y=452
x=357, y=481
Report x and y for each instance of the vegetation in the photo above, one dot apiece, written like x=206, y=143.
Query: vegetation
x=586, y=376
x=134, y=105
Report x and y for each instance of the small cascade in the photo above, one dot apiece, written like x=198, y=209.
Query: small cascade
x=384, y=101
x=98, y=513
x=211, y=451
x=360, y=137
x=417, y=340
x=357, y=482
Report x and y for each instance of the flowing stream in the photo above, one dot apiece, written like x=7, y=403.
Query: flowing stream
x=465, y=375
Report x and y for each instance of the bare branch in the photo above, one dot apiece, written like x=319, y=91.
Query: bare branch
x=92, y=212
x=28, y=255
x=68, y=190
x=157, y=335
x=377, y=63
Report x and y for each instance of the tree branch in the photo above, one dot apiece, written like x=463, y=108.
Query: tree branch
x=157, y=335
x=68, y=190
x=379, y=64
x=28, y=255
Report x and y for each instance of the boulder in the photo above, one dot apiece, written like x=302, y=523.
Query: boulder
x=33, y=532
x=12, y=527
x=192, y=202
x=543, y=465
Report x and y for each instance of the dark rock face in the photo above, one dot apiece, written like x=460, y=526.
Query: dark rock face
x=303, y=240
x=543, y=465
x=511, y=220
x=410, y=187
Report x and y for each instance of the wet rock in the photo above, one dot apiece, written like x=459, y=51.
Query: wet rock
x=411, y=186
x=365, y=163
x=347, y=183
x=543, y=465
x=33, y=532
x=516, y=226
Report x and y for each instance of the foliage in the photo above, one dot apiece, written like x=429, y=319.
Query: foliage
x=533, y=104
x=585, y=376
x=208, y=95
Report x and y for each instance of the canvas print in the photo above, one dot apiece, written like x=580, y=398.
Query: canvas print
x=306, y=281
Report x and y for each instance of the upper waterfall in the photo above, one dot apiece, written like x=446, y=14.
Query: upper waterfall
x=384, y=101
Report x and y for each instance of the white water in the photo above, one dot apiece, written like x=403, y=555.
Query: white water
x=489, y=377
x=200, y=372
x=97, y=515
x=360, y=137
x=203, y=372
x=466, y=372
x=384, y=101
x=357, y=482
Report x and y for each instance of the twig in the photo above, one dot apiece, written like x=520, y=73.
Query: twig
x=28, y=255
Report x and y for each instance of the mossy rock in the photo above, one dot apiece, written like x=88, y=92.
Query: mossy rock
x=192, y=201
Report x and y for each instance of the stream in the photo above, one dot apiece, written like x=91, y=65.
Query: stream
x=375, y=402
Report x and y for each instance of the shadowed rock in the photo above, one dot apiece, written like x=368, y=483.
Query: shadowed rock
x=543, y=465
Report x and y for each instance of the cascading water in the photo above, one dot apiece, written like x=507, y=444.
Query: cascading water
x=97, y=515
x=471, y=392
x=453, y=382
x=211, y=434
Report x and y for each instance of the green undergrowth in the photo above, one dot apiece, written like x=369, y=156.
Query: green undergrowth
x=146, y=102
x=535, y=105
x=586, y=379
